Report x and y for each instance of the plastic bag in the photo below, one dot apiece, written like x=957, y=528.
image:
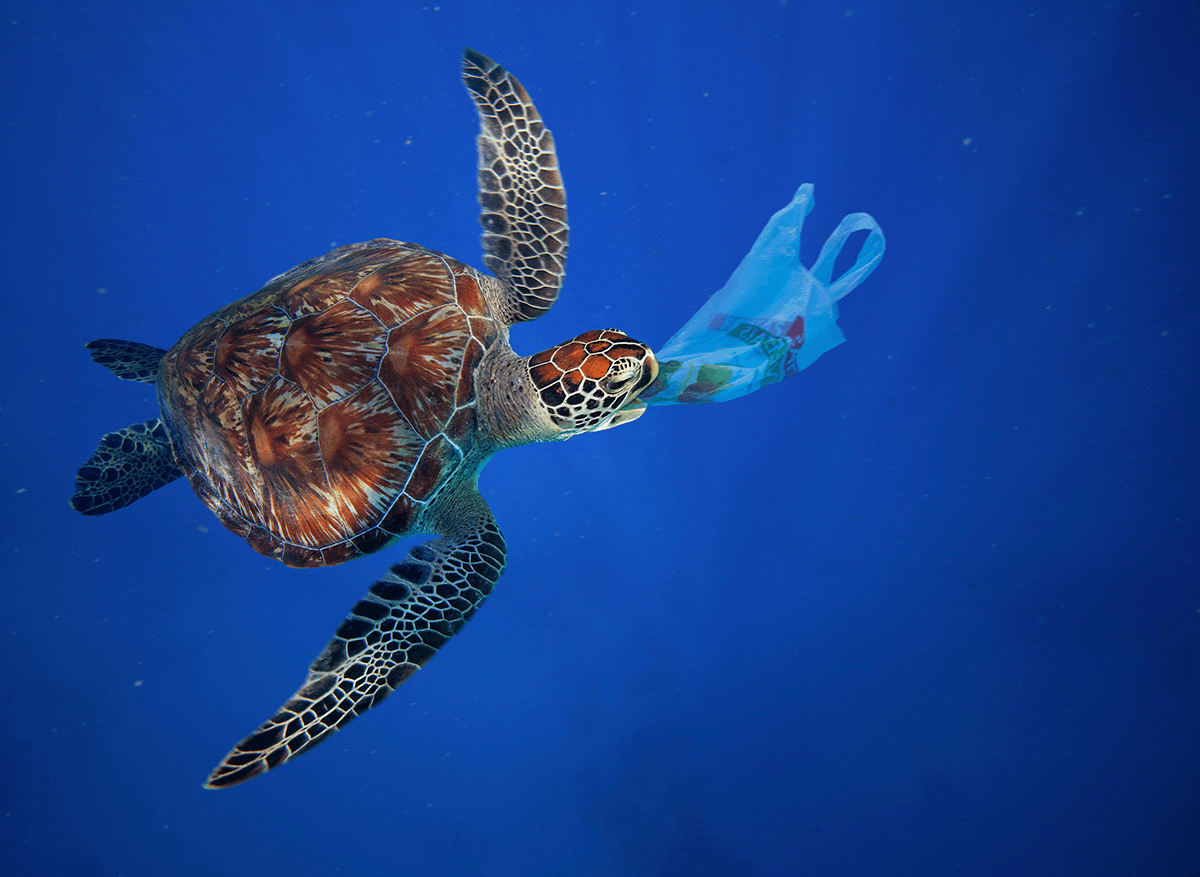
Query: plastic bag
x=773, y=318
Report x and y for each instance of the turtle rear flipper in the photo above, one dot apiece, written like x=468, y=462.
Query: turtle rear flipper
x=128, y=360
x=399, y=625
x=126, y=465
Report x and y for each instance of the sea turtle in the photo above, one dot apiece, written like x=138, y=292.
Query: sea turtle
x=353, y=401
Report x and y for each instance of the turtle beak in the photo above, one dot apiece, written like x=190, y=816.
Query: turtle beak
x=652, y=371
x=631, y=411
x=634, y=408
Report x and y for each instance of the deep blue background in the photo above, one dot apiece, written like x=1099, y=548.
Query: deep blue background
x=932, y=607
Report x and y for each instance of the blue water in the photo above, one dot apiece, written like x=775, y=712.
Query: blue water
x=931, y=607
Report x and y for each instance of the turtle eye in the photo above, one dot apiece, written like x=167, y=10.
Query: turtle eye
x=620, y=377
x=616, y=385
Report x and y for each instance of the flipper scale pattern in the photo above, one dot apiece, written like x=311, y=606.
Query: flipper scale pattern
x=126, y=465
x=521, y=195
x=128, y=360
x=399, y=624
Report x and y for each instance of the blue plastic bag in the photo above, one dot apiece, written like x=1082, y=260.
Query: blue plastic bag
x=773, y=318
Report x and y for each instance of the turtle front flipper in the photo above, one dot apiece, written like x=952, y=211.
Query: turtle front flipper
x=128, y=360
x=402, y=621
x=126, y=465
x=521, y=196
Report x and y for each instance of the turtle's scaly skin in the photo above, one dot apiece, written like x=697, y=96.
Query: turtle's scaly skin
x=523, y=206
x=319, y=416
x=576, y=375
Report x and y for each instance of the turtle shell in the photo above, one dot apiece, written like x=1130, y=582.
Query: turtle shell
x=320, y=415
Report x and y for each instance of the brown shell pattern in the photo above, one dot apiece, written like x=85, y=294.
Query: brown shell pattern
x=317, y=416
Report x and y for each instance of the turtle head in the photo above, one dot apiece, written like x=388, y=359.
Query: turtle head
x=592, y=381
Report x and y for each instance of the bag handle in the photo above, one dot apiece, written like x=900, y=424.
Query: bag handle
x=868, y=259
